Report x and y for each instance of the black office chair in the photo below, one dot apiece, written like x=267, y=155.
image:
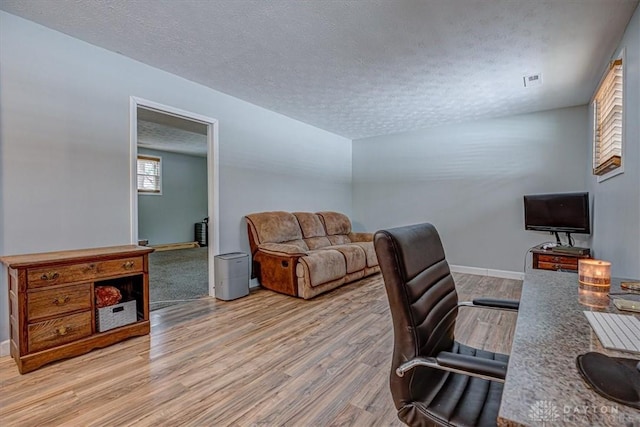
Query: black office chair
x=435, y=380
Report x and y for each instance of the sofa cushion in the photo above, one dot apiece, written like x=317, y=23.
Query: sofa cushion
x=339, y=239
x=335, y=223
x=324, y=265
x=295, y=247
x=299, y=243
x=312, y=230
x=354, y=256
x=275, y=227
x=317, y=242
x=310, y=224
x=369, y=249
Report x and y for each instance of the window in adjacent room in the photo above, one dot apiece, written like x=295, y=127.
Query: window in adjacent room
x=149, y=175
x=607, y=119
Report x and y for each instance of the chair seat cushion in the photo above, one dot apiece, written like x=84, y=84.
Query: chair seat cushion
x=460, y=400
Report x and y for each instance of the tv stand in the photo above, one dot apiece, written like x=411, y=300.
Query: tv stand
x=559, y=258
x=571, y=250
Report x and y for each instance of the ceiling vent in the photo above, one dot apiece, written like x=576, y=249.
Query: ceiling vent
x=532, y=80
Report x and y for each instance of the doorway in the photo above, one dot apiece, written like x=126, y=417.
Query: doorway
x=150, y=117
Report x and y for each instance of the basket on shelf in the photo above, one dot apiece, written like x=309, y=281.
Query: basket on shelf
x=114, y=316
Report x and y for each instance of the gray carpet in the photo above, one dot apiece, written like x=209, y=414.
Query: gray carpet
x=181, y=274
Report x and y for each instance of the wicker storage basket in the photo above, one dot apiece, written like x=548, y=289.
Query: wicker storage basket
x=116, y=315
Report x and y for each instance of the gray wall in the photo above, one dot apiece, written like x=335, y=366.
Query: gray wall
x=170, y=216
x=616, y=227
x=468, y=179
x=65, y=166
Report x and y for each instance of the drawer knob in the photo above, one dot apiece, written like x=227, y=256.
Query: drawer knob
x=557, y=266
x=63, y=330
x=52, y=275
x=62, y=301
x=556, y=258
x=128, y=265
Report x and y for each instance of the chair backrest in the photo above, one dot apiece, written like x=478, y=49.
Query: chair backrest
x=422, y=299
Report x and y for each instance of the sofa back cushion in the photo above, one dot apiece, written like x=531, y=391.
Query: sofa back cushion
x=336, y=223
x=310, y=224
x=317, y=242
x=274, y=227
x=312, y=230
x=339, y=239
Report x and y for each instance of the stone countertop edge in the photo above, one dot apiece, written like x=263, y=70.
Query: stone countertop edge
x=543, y=386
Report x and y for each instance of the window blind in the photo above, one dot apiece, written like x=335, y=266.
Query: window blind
x=607, y=135
x=148, y=174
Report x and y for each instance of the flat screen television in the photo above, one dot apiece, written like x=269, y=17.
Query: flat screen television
x=559, y=212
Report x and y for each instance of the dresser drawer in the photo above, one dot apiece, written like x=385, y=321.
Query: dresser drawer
x=118, y=267
x=83, y=272
x=62, y=330
x=39, y=277
x=54, y=302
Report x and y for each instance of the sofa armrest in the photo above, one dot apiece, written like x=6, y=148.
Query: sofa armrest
x=281, y=249
x=361, y=237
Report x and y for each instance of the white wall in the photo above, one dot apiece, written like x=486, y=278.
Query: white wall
x=170, y=217
x=616, y=233
x=468, y=180
x=64, y=111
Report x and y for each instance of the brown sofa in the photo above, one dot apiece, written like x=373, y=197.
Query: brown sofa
x=304, y=254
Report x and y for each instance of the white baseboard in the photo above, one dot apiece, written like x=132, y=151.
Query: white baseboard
x=4, y=348
x=502, y=274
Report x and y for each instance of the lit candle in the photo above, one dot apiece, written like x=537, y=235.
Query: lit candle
x=594, y=275
x=593, y=299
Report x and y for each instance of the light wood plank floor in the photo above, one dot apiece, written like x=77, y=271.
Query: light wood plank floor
x=263, y=360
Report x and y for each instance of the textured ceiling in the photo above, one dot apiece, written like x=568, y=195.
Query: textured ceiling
x=361, y=67
x=160, y=131
x=164, y=137
x=166, y=119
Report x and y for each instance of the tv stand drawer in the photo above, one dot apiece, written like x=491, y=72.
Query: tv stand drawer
x=559, y=259
x=548, y=260
x=556, y=266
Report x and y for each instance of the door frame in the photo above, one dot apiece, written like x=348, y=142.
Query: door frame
x=213, y=174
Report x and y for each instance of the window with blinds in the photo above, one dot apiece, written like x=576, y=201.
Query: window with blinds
x=149, y=177
x=607, y=116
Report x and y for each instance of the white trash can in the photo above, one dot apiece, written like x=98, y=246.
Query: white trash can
x=231, y=273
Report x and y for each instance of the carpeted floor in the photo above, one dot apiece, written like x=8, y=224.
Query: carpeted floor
x=177, y=275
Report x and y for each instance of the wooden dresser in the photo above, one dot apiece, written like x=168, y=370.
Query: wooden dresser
x=547, y=259
x=52, y=306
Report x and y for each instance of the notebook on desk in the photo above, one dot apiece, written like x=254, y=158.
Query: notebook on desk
x=616, y=331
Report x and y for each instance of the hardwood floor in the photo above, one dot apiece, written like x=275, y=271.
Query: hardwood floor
x=263, y=360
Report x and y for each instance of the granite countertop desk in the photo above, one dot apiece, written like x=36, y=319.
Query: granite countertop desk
x=543, y=386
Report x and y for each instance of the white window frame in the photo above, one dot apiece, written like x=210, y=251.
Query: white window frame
x=620, y=169
x=151, y=192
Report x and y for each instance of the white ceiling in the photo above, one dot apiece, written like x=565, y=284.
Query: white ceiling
x=160, y=131
x=361, y=68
